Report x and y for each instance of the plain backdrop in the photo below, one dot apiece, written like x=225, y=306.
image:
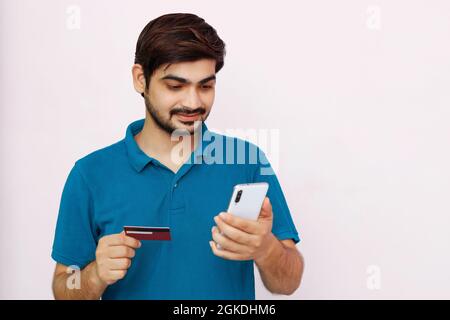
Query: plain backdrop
x=359, y=92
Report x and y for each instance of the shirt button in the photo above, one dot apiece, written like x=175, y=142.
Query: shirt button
x=175, y=185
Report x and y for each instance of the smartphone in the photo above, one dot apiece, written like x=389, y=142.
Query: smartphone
x=247, y=199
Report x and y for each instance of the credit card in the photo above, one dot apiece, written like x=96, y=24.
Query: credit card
x=148, y=233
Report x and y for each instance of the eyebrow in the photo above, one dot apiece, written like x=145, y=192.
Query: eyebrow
x=182, y=80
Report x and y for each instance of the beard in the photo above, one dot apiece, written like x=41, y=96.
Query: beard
x=169, y=125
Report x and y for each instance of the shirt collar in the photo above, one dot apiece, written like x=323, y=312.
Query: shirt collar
x=139, y=159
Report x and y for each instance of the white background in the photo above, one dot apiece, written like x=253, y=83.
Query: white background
x=359, y=91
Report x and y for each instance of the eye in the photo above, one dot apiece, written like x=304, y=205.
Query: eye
x=175, y=88
x=206, y=87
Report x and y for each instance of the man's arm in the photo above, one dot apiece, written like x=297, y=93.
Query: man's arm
x=281, y=269
x=91, y=287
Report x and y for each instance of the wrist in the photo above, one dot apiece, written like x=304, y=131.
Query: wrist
x=271, y=248
x=95, y=282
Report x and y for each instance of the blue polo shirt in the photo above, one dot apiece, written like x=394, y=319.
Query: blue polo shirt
x=120, y=185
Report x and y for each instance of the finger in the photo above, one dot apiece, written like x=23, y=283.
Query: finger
x=117, y=274
x=228, y=244
x=266, y=209
x=119, y=264
x=131, y=242
x=121, y=252
x=246, y=225
x=226, y=254
x=121, y=239
x=116, y=239
x=233, y=233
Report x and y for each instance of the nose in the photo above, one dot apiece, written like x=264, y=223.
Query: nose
x=192, y=99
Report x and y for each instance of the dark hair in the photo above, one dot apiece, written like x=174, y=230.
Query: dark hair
x=177, y=37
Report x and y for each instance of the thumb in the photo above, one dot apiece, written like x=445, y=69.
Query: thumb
x=266, y=209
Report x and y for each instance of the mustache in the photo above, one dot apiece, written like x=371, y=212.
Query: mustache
x=187, y=111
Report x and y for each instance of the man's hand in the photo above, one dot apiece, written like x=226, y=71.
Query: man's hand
x=113, y=257
x=279, y=262
x=243, y=239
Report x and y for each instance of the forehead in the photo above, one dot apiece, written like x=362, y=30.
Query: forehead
x=193, y=71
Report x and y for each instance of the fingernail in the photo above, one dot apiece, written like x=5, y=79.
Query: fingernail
x=212, y=229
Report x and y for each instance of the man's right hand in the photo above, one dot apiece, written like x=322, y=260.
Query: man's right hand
x=113, y=257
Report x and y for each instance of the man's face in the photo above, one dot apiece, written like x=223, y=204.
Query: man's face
x=181, y=94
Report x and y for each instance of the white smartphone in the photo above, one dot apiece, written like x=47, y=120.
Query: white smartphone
x=247, y=199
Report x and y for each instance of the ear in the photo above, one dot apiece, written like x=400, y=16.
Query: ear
x=138, y=78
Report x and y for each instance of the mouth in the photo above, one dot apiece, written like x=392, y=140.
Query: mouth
x=184, y=117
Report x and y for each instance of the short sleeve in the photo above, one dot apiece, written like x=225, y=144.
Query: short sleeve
x=74, y=242
x=283, y=226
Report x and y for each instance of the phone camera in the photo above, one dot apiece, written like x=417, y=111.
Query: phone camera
x=238, y=196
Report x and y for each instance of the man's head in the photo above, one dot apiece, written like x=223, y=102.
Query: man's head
x=177, y=58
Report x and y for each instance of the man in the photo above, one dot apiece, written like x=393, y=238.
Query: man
x=139, y=181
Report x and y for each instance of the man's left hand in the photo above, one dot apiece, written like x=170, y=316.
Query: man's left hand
x=243, y=239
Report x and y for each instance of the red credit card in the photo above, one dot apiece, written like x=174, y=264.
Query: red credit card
x=148, y=233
